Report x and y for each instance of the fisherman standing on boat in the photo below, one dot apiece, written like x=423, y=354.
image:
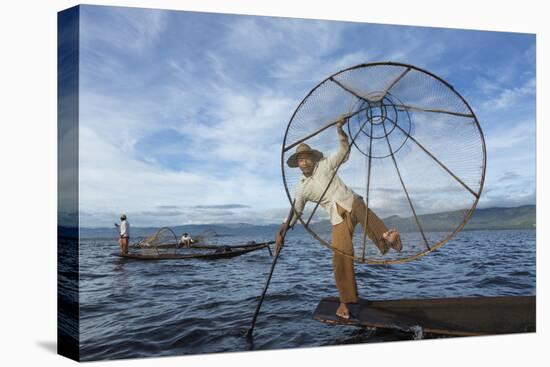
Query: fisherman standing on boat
x=186, y=240
x=345, y=209
x=124, y=234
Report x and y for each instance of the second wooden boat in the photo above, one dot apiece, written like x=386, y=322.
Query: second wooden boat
x=218, y=252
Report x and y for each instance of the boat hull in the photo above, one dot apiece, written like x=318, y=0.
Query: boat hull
x=225, y=252
x=444, y=316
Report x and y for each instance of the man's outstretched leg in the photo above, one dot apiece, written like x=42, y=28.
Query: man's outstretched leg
x=375, y=228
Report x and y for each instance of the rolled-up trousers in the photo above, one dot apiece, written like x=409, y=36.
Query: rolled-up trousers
x=342, y=239
x=123, y=242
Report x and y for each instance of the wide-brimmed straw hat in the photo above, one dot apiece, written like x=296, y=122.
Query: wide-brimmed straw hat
x=303, y=148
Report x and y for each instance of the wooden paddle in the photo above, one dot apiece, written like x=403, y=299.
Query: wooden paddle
x=289, y=218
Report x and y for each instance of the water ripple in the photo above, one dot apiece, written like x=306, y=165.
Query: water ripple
x=143, y=309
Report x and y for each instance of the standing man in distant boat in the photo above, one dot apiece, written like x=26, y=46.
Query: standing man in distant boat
x=124, y=234
x=345, y=209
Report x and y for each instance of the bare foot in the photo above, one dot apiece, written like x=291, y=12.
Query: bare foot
x=393, y=239
x=343, y=311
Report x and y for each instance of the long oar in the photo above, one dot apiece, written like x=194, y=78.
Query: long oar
x=289, y=218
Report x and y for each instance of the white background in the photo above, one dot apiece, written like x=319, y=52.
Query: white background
x=29, y=183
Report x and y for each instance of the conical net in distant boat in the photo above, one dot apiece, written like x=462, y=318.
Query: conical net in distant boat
x=163, y=236
x=417, y=154
x=207, y=235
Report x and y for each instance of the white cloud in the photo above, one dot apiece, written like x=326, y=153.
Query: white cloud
x=230, y=103
x=229, y=125
x=511, y=198
x=110, y=179
x=510, y=98
x=127, y=30
x=520, y=135
x=262, y=38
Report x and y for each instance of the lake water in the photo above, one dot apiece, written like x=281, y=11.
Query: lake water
x=132, y=308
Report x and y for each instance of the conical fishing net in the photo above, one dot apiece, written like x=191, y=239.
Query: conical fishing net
x=206, y=236
x=417, y=155
x=162, y=237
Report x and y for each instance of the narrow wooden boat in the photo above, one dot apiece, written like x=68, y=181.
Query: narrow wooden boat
x=219, y=252
x=442, y=316
x=202, y=246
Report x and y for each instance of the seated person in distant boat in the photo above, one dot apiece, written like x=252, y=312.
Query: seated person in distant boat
x=186, y=240
x=345, y=209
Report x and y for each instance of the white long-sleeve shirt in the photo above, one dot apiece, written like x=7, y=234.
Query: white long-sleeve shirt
x=311, y=188
x=124, y=228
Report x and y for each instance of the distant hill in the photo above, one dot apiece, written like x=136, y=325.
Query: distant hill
x=522, y=217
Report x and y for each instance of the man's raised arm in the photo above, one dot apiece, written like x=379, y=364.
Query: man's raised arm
x=342, y=154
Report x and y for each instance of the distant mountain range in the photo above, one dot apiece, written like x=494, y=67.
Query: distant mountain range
x=522, y=217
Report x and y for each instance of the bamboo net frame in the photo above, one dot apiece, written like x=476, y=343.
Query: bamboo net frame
x=423, y=154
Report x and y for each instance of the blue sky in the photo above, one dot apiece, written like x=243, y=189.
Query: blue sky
x=182, y=114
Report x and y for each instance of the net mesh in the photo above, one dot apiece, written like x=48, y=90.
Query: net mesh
x=417, y=154
x=163, y=236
